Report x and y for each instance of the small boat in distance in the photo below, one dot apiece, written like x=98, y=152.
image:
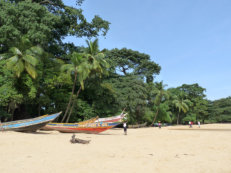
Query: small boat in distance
x=138, y=125
x=117, y=118
x=28, y=125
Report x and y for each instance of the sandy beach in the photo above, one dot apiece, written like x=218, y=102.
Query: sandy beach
x=176, y=149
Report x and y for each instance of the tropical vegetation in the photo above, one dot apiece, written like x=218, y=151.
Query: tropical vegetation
x=40, y=73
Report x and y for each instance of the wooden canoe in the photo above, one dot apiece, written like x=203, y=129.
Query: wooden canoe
x=50, y=126
x=28, y=125
x=118, y=118
x=137, y=125
x=92, y=128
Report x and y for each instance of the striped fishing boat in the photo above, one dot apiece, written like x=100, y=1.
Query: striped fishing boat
x=28, y=125
x=92, y=128
x=50, y=126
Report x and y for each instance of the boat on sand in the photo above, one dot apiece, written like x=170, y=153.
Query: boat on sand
x=28, y=125
x=92, y=128
x=51, y=126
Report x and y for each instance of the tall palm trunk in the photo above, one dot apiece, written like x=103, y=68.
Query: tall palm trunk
x=77, y=95
x=70, y=99
x=178, y=118
x=157, y=112
x=39, y=109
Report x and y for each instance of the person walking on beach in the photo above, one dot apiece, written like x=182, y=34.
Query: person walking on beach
x=199, y=124
x=190, y=124
x=125, y=128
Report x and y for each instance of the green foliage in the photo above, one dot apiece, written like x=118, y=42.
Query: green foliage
x=39, y=74
x=164, y=115
x=23, y=57
x=148, y=115
x=10, y=98
x=127, y=61
x=82, y=111
x=131, y=93
x=196, y=107
x=220, y=110
x=18, y=19
x=189, y=117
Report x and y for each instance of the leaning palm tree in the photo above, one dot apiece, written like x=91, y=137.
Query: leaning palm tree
x=182, y=105
x=73, y=68
x=93, y=63
x=160, y=95
x=23, y=57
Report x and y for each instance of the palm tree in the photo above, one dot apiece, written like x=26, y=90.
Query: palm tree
x=93, y=63
x=73, y=68
x=161, y=95
x=96, y=58
x=23, y=57
x=93, y=47
x=182, y=105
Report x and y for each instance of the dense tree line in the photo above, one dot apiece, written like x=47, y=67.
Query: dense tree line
x=41, y=74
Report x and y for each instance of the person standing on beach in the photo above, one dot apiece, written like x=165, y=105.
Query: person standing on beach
x=125, y=128
x=159, y=125
x=199, y=124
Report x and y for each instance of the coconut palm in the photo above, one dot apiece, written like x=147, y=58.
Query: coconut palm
x=93, y=63
x=96, y=58
x=161, y=95
x=23, y=57
x=182, y=105
x=75, y=67
x=93, y=47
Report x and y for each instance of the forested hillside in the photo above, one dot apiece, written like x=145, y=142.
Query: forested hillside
x=41, y=74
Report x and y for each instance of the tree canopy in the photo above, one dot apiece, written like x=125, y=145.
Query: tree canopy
x=40, y=73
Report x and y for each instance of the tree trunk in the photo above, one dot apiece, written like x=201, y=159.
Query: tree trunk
x=12, y=117
x=178, y=118
x=70, y=99
x=155, y=116
x=77, y=94
x=39, y=109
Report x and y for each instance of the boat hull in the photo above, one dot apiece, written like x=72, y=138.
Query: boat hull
x=28, y=125
x=32, y=128
x=91, y=128
x=49, y=126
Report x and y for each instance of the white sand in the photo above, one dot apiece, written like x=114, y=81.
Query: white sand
x=145, y=150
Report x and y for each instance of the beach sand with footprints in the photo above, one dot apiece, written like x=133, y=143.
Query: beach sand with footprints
x=176, y=149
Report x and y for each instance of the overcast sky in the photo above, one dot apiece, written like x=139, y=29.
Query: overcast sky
x=189, y=39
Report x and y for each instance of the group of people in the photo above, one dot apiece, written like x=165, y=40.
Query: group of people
x=159, y=125
x=191, y=123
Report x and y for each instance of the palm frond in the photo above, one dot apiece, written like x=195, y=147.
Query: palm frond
x=37, y=50
x=30, y=59
x=15, y=51
x=30, y=70
x=19, y=68
x=12, y=61
x=67, y=68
